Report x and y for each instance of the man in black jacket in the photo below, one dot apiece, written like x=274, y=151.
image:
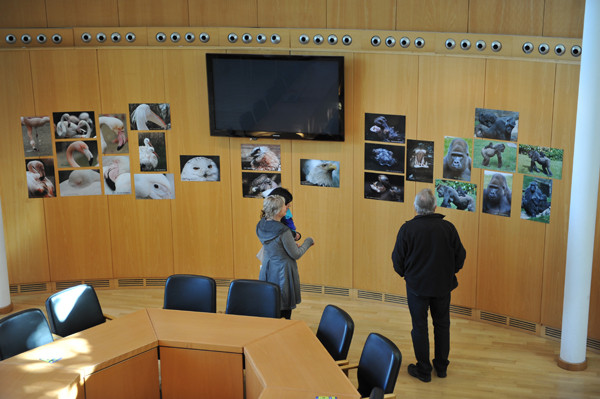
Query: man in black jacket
x=428, y=254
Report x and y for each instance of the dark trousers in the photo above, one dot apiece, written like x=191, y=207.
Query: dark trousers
x=440, y=313
x=286, y=314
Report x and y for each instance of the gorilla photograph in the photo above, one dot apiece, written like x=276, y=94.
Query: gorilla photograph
x=199, y=168
x=540, y=161
x=315, y=172
x=419, y=161
x=385, y=158
x=536, y=199
x=457, y=159
x=384, y=187
x=495, y=155
x=386, y=128
x=496, y=124
x=456, y=195
x=497, y=193
x=255, y=184
x=263, y=157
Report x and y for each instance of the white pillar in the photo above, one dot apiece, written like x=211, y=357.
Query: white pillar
x=5, y=303
x=584, y=198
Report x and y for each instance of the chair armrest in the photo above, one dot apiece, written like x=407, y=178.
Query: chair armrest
x=342, y=362
x=347, y=367
x=108, y=317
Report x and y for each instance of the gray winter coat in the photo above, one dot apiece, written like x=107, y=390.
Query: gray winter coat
x=279, y=260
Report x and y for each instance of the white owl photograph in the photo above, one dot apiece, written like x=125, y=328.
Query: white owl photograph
x=199, y=168
x=315, y=172
x=264, y=157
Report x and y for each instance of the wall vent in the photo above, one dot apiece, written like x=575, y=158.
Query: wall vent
x=13, y=289
x=63, y=285
x=98, y=283
x=315, y=289
x=374, y=296
x=399, y=299
x=522, y=325
x=222, y=282
x=553, y=332
x=461, y=310
x=593, y=344
x=494, y=318
x=131, y=282
x=155, y=282
x=37, y=287
x=337, y=291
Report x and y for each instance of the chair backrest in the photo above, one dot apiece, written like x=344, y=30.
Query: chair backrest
x=379, y=365
x=191, y=292
x=376, y=393
x=335, y=331
x=74, y=309
x=253, y=298
x=23, y=331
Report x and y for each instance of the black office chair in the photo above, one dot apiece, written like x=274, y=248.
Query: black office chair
x=378, y=366
x=74, y=309
x=253, y=298
x=23, y=331
x=191, y=292
x=335, y=331
x=376, y=393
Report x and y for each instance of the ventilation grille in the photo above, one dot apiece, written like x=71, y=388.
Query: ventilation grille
x=593, y=344
x=131, y=282
x=98, y=283
x=63, y=285
x=13, y=289
x=155, y=282
x=523, y=325
x=461, y=310
x=222, y=282
x=36, y=287
x=401, y=300
x=374, y=296
x=553, y=332
x=315, y=289
x=494, y=318
x=337, y=291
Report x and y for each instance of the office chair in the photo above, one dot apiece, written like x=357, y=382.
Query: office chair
x=253, y=298
x=191, y=292
x=378, y=366
x=335, y=331
x=23, y=331
x=74, y=309
x=376, y=393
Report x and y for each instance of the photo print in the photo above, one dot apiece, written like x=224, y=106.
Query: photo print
x=496, y=124
x=77, y=154
x=264, y=157
x=497, y=193
x=315, y=172
x=419, y=161
x=150, y=116
x=540, y=161
x=113, y=133
x=386, y=128
x=40, y=177
x=153, y=152
x=456, y=195
x=70, y=125
x=116, y=175
x=79, y=182
x=386, y=158
x=37, y=136
x=384, y=187
x=495, y=155
x=154, y=186
x=457, y=160
x=199, y=168
x=255, y=184
x=537, y=198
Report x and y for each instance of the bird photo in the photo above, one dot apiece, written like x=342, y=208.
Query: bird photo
x=113, y=134
x=76, y=154
x=199, y=168
x=264, y=157
x=116, y=175
x=386, y=128
x=153, y=152
x=154, y=186
x=78, y=124
x=79, y=182
x=37, y=135
x=40, y=178
x=150, y=116
x=255, y=184
x=316, y=172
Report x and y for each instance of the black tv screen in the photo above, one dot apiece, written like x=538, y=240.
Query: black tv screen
x=276, y=96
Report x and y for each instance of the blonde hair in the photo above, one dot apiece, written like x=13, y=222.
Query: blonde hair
x=271, y=206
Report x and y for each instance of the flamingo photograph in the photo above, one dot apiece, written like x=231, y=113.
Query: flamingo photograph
x=199, y=168
x=40, y=178
x=79, y=182
x=116, y=175
x=113, y=134
x=154, y=186
x=76, y=154
x=37, y=135
x=153, y=152
x=78, y=124
x=150, y=116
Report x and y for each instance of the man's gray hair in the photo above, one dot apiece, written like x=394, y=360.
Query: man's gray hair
x=272, y=205
x=425, y=202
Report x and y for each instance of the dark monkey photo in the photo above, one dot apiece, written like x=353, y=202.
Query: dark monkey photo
x=457, y=162
x=497, y=196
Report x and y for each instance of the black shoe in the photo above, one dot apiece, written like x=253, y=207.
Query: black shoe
x=414, y=372
x=441, y=373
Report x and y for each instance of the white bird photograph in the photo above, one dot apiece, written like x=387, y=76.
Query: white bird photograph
x=79, y=182
x=154, y=186
x=199, y=168
x=76, y=154
x=150, y=116
x=79, y=124
x=116, y=175
x=37, y=135
x=263, y=157
x=113, y=134
x=40, y=178
x=255, y=184
x=315, y=172
x=153, y=152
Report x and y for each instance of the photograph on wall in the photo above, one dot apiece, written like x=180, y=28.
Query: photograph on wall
x=79, y=182
x=153, y=152
x=316, y=172
x=385, y=158
x=540, y=161
x=456, y=195
x=386, y=128
x=74, y=124
x=113, y=133
x=150, y=116
x=384, y=187
x=457, y=158
x=77, y=154
x=116, y=175
x=265, y=157
x=496, y=124
x=40, y=177
x=37, y=136
x=154, y=186
x=495, y=155
x=497, y=193
x=537, y=198
x=419, y=161
x=200, y=168
x=255, y=184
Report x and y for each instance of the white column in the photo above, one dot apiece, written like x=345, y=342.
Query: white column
x=584, y=198
x=5, y=303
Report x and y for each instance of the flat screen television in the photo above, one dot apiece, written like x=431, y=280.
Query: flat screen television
x=276, y=96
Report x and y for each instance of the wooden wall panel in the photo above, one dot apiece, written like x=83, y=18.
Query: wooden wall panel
x=594, y=320
x=510, y=17
x=432, y=15
x=292, y=14
x=69, y=13
x=563, y=18
x=223, y=13
x=23, y=14
x=153, y=12
x=361, y=14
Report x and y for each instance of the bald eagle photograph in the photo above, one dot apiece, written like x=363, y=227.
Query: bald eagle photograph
x=315, y=172
x=263, y=157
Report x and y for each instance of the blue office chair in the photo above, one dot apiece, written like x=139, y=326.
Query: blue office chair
x=335, y=331
x=74, y=309
x=23, y=331
x=254, y=298
x=191, y=292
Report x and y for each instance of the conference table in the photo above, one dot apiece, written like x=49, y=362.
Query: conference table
x=159, y=353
